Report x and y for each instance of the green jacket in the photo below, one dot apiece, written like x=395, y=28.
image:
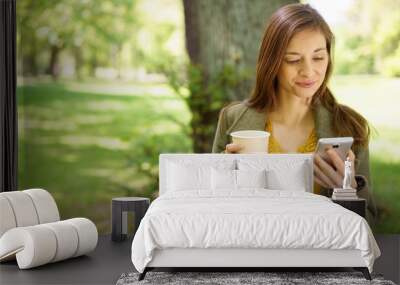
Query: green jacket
x=240, y=117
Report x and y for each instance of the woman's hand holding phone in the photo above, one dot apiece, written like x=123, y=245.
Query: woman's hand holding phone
x=331, y=176
x=327, y=174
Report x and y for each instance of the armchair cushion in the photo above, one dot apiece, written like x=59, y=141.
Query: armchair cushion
x=40, y=244
x=31, y=232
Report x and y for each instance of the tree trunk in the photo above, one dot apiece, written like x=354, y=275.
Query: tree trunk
x=221, y=33
x=29, y=54
x=53, y=62
x=93, y=63
x=119, y=61
x=32, y=57
x=77, y=51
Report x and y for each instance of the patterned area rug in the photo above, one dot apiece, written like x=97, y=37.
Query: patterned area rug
x=229, y=278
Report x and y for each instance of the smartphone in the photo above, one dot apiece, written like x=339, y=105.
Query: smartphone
x=342, y=146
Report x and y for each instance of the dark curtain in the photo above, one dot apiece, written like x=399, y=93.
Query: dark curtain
x=8, y=107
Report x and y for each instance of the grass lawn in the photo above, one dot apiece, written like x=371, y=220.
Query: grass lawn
x=377, y=99
x=85, y=141
x=81, y=142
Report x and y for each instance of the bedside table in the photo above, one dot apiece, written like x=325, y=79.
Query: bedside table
x=119, y=211
x=356, y=205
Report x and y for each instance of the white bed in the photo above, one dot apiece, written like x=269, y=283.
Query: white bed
x=218, y=224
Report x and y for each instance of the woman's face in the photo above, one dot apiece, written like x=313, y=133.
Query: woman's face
x=304, y=64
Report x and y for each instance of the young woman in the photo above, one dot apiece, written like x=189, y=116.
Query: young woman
x=291, y=100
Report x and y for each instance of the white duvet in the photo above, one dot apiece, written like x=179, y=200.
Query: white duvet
x=253, y=218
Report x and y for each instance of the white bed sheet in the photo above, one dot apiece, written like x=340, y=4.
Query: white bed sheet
x=252, y=218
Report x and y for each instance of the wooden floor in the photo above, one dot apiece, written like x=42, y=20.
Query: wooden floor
x=110, y=260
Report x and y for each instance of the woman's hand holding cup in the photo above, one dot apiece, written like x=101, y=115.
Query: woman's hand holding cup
x=233, y=148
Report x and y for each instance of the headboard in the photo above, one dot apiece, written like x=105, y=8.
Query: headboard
x=271, y=159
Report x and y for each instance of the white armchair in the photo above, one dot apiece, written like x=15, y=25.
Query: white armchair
x=31, y=230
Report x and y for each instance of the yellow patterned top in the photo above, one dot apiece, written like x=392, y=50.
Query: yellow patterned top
x=309, y=146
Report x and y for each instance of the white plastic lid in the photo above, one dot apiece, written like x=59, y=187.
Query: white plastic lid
x=250, y=134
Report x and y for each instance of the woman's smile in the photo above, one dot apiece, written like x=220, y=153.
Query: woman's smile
x=306, y=84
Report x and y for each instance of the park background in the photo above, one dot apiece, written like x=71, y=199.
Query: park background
x=104, y=87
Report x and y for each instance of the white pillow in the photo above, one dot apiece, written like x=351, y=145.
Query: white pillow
x=223, y=179
x=282, y=173
x=193, y=173
x=188, y=177
x=251, y=178
x=296, y=179
x=226, y=179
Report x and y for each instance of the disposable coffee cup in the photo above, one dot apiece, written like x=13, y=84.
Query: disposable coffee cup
x=251, y=141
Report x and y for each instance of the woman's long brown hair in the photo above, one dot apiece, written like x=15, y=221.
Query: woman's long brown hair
x=283, y=24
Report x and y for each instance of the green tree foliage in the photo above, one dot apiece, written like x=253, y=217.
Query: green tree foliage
x=370, y=42
x=143, y=158
x=204, y=97
x=160, y=39
x=92, y=31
